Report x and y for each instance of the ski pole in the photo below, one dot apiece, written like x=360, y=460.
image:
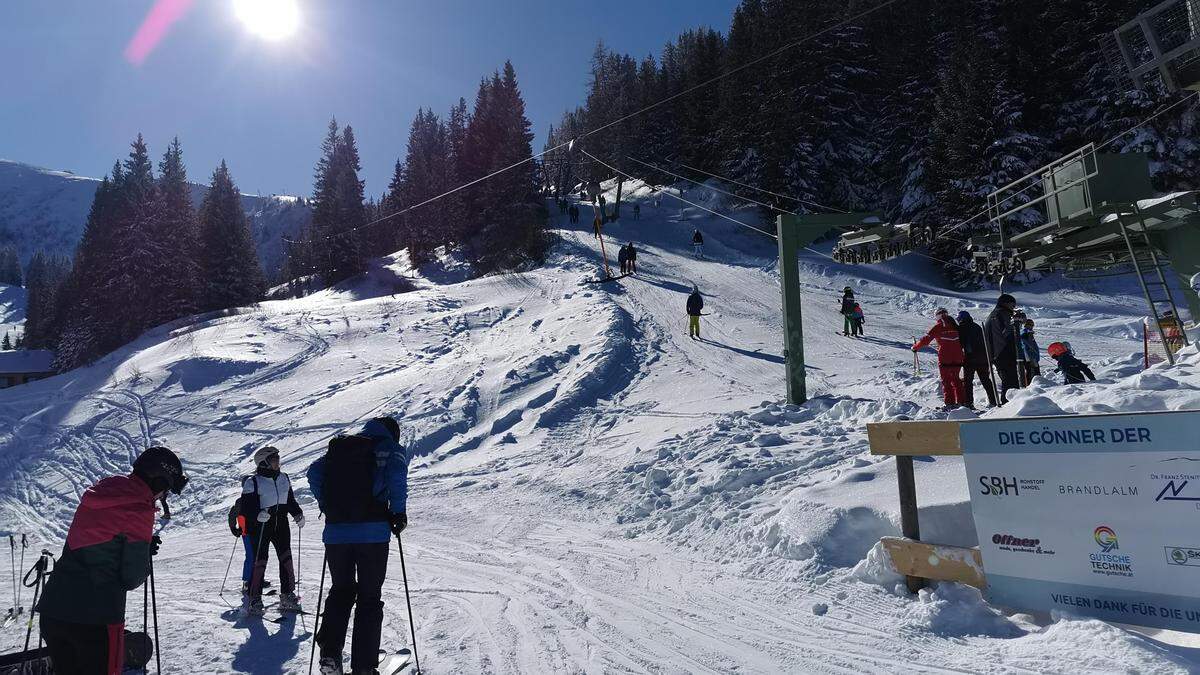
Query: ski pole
x=12, y=562
x=230, y=565
x=317, y=621
x=299, y=554
x=154, y=604
x=408, y=600
x=24, y=545
x=39, y=572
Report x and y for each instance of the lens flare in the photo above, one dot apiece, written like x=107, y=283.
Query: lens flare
x=268, y=19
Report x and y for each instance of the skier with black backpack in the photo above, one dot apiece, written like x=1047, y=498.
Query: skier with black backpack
x=267, y=500
x=106, y=555
x=361, y=485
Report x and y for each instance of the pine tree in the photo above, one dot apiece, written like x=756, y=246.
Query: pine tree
x=10, y=266
x=175, y=294
x=6, y=345
x=338, y=213
x=230, y=273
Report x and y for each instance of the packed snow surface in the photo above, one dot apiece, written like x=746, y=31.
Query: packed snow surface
x=592, y=491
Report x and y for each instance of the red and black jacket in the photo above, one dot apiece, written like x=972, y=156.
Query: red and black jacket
x=106, y=555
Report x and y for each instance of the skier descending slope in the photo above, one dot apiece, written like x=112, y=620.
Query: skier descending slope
x=361, y=485
x=950, y=357
x=267, y=499
x=698, y=244
x=695, y=305
x=107, y=554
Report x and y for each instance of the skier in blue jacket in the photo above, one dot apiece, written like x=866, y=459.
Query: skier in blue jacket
x=361, y=485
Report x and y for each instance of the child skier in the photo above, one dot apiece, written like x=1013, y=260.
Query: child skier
x=856, y=320
x=1028, y=353
x=1069, y=365
x=267, y=500
x=950, y=357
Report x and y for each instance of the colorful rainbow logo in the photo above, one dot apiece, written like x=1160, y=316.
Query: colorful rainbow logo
x=1106, y=538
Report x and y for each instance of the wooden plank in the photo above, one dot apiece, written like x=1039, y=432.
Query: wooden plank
x=914, y=438
x=933, y=561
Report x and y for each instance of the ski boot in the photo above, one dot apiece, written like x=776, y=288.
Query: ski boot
x=256, y=608
x=330, y=666
x=289, y=602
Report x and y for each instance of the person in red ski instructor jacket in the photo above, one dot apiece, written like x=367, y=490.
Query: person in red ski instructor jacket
x=107, y=554
x=950, y=357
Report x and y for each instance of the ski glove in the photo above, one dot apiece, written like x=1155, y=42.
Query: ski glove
x=155, y=542
x=399, y=522
x=299, y=521
x=264, y=516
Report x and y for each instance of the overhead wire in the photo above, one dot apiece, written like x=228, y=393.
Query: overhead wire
x=762, y=190
x=746, y=225
x=619, y=120
x=709, y=187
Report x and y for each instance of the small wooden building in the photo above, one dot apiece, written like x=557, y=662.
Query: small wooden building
x=25, y=365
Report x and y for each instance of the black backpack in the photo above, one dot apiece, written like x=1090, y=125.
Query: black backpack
x=350, y=466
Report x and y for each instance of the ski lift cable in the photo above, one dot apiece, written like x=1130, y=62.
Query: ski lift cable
x=675, y=196
x=773, y=194
x=708, y=187
x=792, y=45
x=748, y=226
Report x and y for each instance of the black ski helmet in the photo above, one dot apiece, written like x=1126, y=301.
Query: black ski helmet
x=391, y=425
x=161, y=469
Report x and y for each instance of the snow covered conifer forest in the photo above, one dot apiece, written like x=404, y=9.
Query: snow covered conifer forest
x=917, y=112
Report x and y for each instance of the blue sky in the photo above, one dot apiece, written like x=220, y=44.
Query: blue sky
x=70, y=100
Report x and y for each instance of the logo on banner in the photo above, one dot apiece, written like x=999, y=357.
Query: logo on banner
x=1106, y=538
x=1106, y=562
x=1014, y=544
x=1183, y=555
x=1174, y=492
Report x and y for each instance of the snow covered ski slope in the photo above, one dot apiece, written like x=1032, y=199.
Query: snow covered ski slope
x=593, y=491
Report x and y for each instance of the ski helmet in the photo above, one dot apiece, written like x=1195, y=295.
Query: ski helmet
x=391, y=425
x=1056, y=349
x=1006, y=299
x=263, y=454
x=964, y=315
x=161, y=469
x=941, y=311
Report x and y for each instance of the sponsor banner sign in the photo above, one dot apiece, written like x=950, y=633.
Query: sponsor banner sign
x=1098, y=515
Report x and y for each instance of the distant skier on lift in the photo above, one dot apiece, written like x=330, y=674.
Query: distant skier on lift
x=847, y=310
x=698, y=243
x=950, y=357
x=695, y=305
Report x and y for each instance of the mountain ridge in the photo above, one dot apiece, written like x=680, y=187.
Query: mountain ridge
x=46, y=209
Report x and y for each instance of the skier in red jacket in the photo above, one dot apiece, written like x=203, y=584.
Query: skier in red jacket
x=950, y=357
x=107, y=554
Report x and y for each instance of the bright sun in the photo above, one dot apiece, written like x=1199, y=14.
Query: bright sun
x=268, y=19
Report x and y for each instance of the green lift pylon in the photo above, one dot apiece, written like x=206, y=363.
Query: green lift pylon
x=796, y=232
